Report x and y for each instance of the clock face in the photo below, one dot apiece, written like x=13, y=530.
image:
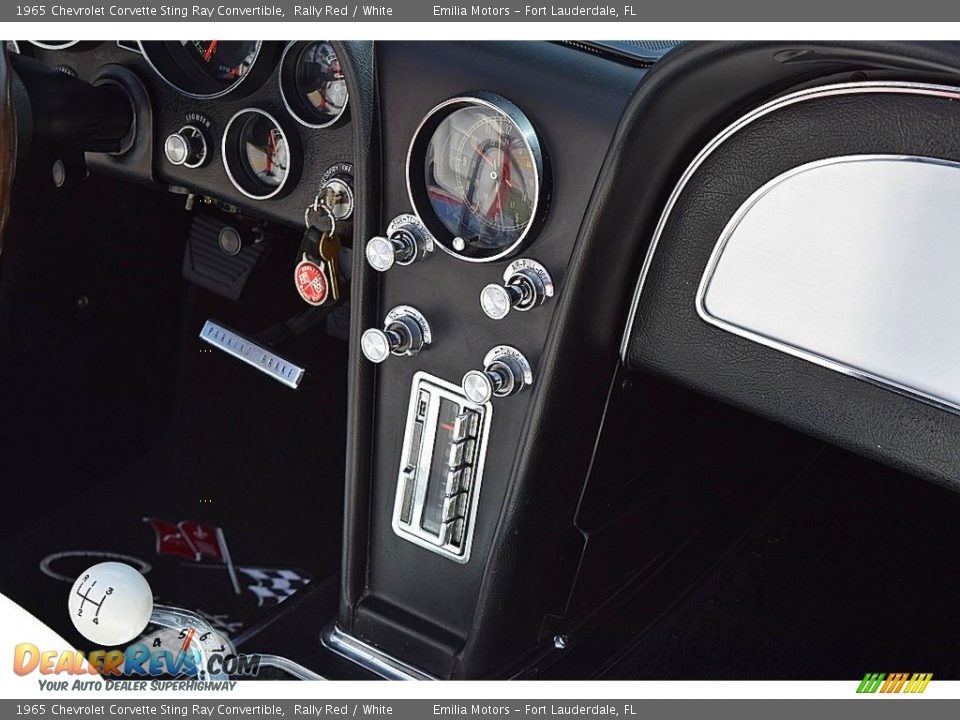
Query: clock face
x=185, y=651
x=476, y=176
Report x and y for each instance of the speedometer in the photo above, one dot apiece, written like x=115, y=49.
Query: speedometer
x=203, y=68
x=475, y=173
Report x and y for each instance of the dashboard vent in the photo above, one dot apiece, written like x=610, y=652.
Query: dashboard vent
x=641, y=52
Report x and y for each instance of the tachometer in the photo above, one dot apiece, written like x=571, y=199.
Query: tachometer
x=476, y=176
x=203, y=68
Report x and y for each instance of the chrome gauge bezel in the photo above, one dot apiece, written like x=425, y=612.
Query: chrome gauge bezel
x=416, y=190
x=286, y=77
x=227, y=156
x=164, y=74
x=55, y=44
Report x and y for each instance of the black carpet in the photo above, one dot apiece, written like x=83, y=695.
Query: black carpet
x=224, y=447
x=853, y=571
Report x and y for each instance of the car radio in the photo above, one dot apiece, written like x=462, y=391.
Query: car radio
x=441, y=467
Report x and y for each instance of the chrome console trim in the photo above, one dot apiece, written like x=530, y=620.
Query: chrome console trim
x=872, y=87
x=369, y=657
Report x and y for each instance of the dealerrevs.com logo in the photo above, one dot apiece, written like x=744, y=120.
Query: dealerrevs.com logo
x=891, y=683
x=139, y=660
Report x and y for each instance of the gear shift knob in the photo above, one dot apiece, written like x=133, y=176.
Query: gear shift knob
x=110, y=603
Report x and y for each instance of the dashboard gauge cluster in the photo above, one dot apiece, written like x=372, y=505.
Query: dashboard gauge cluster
x=312, y=83
x=257, y=154
x=477, y=177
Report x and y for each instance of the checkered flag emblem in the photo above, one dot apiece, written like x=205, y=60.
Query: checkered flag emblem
x=272, y=587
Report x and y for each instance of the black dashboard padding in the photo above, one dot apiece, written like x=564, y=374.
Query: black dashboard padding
x=671, y=339
x=358, y=61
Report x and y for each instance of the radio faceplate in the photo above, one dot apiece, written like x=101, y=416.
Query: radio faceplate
x=441, y=467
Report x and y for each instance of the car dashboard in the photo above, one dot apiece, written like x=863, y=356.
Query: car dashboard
x=516, y=235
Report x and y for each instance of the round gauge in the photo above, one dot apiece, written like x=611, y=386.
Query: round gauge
x=256, y=154
x=202, y=68
x=475, y=173
x=312, y=83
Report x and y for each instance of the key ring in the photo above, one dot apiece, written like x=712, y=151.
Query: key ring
x=315, y=207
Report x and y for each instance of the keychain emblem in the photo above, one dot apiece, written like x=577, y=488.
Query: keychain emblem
x=311, y=282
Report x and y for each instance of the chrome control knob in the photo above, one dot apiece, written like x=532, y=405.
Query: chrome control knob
x=405, y=332
x=526, y=285
x=407, y=241
x=187, y=147
x=506, y=372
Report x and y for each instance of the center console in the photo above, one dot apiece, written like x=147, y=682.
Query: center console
x=487, y=175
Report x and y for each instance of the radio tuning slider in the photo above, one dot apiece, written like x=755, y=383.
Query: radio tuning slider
x=405, y=332
x=406, y=242
x=526, y=285
x=506, y=372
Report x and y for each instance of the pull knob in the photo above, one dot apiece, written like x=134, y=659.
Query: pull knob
x=187, y=147
x=526, y=285
x=405, y=332
x=406, y=242
x=506, y=372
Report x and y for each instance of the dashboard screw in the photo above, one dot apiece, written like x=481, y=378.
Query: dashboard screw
x=560, y=641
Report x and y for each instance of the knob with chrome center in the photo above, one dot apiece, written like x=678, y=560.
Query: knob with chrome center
x=405, y=332
x=407, y=241
x=187, y=147
x=506, y=372
x=526, y=285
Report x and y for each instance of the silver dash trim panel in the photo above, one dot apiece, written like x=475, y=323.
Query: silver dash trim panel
x=840, y=89
x=849, y=262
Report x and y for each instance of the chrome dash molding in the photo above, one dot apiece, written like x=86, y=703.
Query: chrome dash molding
x=369, y=657
x=842, y=89
x=252, y=354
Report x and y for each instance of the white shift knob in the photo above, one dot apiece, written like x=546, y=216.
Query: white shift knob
x=110, y=603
